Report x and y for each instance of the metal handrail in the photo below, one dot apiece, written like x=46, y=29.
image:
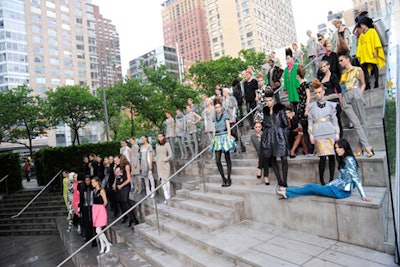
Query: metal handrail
x=4, y=179
x=148, y=196
x=36, y=196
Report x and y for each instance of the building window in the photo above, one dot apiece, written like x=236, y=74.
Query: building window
x=54, y=61
x=249, y=34
x=40, y=80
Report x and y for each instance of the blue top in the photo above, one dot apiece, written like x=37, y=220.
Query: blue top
x=348, y=177
x=220, y=124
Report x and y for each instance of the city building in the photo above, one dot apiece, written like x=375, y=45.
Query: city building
x=13, y=45
x=160, y=56
x=65, y=43
x=260, y=25
x=108, y=51
x=184, y=26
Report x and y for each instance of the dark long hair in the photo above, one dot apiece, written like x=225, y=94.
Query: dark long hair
x=343, y=143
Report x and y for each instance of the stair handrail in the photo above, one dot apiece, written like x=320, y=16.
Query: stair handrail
x=36, y=196
x=6, y=182
x=148, y=196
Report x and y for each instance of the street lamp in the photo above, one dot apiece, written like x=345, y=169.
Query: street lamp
x=105, y=103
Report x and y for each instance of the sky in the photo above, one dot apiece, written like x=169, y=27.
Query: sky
x=139, y=23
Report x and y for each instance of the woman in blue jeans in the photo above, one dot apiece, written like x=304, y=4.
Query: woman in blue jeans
x=340, y=187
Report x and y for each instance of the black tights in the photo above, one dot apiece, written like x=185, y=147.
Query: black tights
x=275, y=167
x=321, y=168
x=219, y=164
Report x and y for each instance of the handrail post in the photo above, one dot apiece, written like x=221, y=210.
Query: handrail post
x=158, y=222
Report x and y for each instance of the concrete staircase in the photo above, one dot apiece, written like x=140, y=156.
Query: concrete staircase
x=193, y=227
x=38, y=219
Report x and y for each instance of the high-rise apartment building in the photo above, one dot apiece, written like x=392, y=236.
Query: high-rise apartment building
x=160, y=56
x=60, y=37
x=108, y=50
x=51, y=43
x=260, y=25
x=184, y=26
x=13, y=45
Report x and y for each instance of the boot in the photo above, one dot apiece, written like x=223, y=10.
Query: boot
x=224, y=182
x=228, y=182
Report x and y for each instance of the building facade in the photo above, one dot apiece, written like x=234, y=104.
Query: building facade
x=52, y=43
x=108, y=51
x=259, y=25
x=184, y=27
x=160, y=56
x=13, y=45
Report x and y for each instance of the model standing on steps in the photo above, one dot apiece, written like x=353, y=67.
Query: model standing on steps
x=274, y=140
x=323, y=129
x=354, y=103
x=341, y=186
x=99, y=213
x=222, y=141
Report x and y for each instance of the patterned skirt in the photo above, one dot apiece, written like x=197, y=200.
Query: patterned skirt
x=325, y=147
x=221, y=142
x=99, y=214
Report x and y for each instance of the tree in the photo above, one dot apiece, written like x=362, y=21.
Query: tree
x=21, y=116
x=73, y=105
x=252, y=58
x=206, y=75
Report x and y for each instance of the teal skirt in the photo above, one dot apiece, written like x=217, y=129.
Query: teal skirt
x=221, y=142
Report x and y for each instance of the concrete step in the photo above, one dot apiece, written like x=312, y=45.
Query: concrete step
x=17, y=232
x=312, y=214
x=193, y=219
x=28, y=225
x=375, y=137
x=303, y=169
x=29, y=213
x=48, y=207
x=187, y=252
x=18, y=220
x=374, y=97
x=373, y=116
x=235, y=202
x=133, y=250
x=238, y=179
x=205, y=208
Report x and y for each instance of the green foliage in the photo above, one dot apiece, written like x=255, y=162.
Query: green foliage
x=252, y=58
x=219, y=71
x=21, y=116
x=73, y=105
x=49, y=161
x=390, y=126
x=10, y=164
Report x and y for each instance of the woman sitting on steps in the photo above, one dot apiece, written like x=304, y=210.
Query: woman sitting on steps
x=340, y=187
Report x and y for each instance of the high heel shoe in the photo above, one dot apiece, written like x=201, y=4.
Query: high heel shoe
x=266, y=182
x=259, y=175
x=280, y=193
x=292, y=156
x=371, y=153
x=358, y=153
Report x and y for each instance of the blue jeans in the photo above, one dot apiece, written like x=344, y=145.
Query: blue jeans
x=316, y=189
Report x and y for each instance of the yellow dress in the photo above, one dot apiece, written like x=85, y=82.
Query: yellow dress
x=368, y=44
